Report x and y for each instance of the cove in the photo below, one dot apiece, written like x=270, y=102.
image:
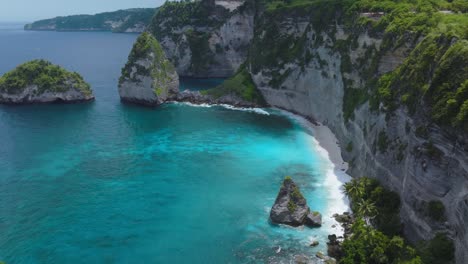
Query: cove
x=115, y=183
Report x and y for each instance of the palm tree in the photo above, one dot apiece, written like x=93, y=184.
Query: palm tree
x=353, y=189
x=367, y=210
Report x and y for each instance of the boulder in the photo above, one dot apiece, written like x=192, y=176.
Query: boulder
x=314, y=243
x=313, y=219
x=334, y=247
x=302, y=259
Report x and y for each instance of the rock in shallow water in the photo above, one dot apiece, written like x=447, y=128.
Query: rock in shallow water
x=313, y=219
x=291, y=208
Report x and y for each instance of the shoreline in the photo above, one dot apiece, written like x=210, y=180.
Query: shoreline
x=325, y=138
x=324, y=141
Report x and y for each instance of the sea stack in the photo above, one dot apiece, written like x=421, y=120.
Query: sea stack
x=148, y=78
x=291, y=208
x=40, y=81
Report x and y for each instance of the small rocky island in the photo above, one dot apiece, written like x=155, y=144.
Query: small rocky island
x=148, y=78
x=40, y=81
x=291, y=208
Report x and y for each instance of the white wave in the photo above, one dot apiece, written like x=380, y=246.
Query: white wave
x=230, y=107
x=246, y=109
x=194, y=105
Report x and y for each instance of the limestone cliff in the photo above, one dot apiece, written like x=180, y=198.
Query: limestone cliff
x=205, y=38
x=40, y=81
x=148, y=77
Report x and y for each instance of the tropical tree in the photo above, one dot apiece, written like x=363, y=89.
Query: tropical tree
x=353, y=189
x=366, y=209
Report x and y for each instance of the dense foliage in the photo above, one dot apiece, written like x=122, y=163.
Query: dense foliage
x=436, y=210
x=45, y=75
x=439, y=250
x=436, y=72
x=380, y=206
x=241, y=85
x=129, y=18
x=376, y=232
x=368, y=245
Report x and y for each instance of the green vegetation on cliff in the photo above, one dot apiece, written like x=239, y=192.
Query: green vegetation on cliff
x=241, y=85
x=376, y=232
x=435, y=73
x=43, y=74
x=118, y=21
x=368, y=245
x=431, y=80
x=147, y=58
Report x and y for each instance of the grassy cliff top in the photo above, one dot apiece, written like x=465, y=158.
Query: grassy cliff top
x=47, y=76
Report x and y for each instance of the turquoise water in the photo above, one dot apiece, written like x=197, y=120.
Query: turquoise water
x=110, y=183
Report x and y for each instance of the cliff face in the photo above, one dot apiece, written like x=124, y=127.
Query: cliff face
x=121, y=21
x=325, y=74
x=148, y=77
x=205, y=38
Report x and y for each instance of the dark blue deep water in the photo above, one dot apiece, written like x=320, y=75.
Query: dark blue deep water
x=104, y=182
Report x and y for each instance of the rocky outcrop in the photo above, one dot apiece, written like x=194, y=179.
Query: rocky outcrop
x=291, y=208
x=40, y=81
x=205, y=38
x=121, y=21
x=148, y=78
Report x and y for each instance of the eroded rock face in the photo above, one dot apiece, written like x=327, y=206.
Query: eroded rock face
x=148, y=77
x=212, y=43
x=291, y=208
x=30, y=95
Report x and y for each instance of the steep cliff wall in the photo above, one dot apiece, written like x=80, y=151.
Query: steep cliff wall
x=313, y=62
x=205, y=38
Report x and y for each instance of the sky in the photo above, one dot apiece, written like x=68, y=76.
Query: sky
x=31, y=10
